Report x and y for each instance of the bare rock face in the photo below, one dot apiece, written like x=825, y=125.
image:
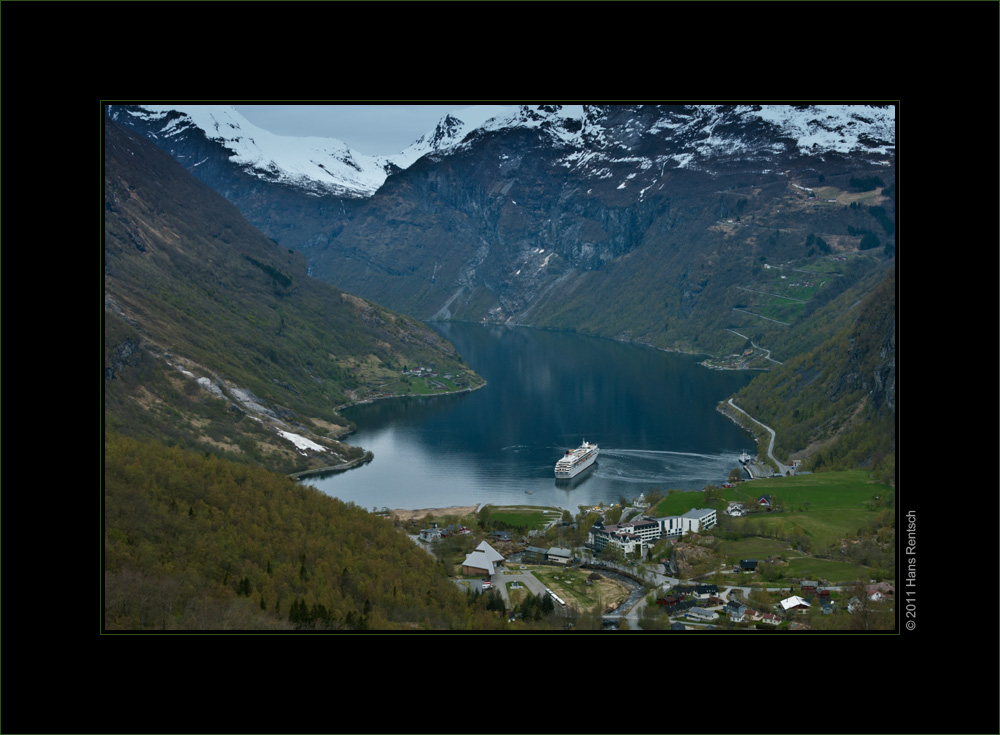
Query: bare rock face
x=124, y=354
x=871, y=364
x=689, y=556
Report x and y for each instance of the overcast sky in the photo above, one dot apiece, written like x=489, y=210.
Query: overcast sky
x=383, y=129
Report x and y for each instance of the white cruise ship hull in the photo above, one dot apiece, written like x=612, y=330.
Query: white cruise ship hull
x=576, y=461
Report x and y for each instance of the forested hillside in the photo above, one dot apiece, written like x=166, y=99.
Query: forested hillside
x=834, y=406
x=195, y=542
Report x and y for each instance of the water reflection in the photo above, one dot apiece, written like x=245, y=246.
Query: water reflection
x=652, y=413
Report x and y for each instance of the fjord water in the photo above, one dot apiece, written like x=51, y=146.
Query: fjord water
x=652, y=413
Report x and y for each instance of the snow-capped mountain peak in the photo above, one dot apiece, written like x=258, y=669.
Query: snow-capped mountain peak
x=319, y=165
x=591, y=138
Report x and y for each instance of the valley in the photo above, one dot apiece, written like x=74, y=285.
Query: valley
x=261, y=293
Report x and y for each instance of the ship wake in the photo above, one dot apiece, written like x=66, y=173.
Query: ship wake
x=686, y=470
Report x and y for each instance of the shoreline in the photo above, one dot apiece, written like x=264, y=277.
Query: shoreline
x=343, y=467
x=366, y=401
x=369, y=456
x=404, y=514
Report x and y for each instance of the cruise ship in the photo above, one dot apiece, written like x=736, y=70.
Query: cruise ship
x=576, y=461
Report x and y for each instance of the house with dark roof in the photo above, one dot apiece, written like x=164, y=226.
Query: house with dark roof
x=748, y=565
x=669, y=600
x=534, y=554
x=705, y=591
x=559, y=555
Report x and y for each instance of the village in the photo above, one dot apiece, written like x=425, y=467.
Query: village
x=648, y=584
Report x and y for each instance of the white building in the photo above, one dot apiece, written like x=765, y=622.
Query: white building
x=646, y=529
x=699, y=519
x=638, y=535
x=604, y=536
x=794, y=603
x=695, y=520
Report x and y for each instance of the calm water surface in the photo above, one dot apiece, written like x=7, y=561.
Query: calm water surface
x=652, y=413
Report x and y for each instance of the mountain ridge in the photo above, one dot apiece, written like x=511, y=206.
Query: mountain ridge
x=698, y=132
x=215, y=337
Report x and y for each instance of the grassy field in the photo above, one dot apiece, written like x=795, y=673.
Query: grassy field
x=752, y=548
x=524, y=517
x=832, y=571
x=825, y=507
x=822, y=490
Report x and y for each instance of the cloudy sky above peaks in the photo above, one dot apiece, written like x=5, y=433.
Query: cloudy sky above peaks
x=375, y=129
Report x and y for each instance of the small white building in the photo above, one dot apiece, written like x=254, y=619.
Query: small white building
x=794, y=603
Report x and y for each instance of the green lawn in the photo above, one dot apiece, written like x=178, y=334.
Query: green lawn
x=826, y=506
x=821, y=490
x=527, y=517
x=832, y=571
x=752, y=548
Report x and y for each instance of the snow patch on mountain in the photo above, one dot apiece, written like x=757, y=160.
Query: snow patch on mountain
x=451, y=131
x=600, y=140
x=319, y=165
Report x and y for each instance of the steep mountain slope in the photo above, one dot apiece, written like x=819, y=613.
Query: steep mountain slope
x=643, y=223
x=834, y=406
x=297, y=191
x=216, y=339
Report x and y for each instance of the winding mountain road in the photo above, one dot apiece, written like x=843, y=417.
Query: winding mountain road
x=782, y=468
